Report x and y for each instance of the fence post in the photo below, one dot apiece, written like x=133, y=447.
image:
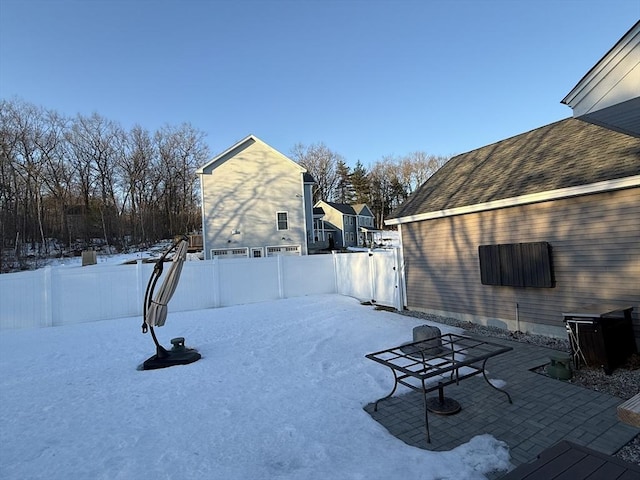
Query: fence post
x=401, y=269
x=215, y=265
x=47, y=295
x=139, y=288
x=372, y=276
x=399, y=280
x=280, y=277
x=335, y=272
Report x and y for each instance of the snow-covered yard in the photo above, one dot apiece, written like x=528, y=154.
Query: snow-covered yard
x=279, y=393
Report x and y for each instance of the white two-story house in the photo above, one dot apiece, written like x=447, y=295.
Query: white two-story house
x=256, y=202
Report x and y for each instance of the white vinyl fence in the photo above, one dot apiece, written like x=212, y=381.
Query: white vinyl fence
x=66, y=295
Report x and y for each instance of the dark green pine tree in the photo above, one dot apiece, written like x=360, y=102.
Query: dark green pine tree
x=361, y=185
x=344, y=189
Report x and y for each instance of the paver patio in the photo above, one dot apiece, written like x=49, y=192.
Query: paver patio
x=544, y=410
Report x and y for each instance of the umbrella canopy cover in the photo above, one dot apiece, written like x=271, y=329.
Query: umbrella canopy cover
x=157, y=311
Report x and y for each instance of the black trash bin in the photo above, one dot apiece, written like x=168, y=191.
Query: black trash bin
x=600, y=337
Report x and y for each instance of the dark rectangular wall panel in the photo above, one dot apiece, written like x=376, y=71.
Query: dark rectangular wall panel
x=489, y=265
x=510, y=265
x=536, y=264
x=516, y=265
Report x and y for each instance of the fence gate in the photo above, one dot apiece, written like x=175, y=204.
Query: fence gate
x=386, y=279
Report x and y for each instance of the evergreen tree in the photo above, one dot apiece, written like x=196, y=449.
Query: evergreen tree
x=344, y=189
x=360, y=183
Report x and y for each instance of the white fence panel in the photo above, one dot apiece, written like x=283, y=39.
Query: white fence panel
x=353, y=273
x=307, y=275
x=386, y=282
x=68, y=295
x=97, y=292
x=248, y=280
x=370, y=276
x=22, y=303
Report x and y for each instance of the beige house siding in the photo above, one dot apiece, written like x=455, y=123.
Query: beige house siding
x=596, y=258
x=242, y=195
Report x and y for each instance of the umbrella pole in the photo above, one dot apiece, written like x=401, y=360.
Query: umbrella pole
x=161, y=352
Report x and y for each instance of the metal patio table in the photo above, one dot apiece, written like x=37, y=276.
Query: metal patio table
x=423, y=367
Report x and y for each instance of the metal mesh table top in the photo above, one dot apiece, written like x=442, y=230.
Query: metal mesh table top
x=423, y=360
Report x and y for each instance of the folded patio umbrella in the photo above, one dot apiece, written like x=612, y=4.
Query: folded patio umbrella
x=157, y=312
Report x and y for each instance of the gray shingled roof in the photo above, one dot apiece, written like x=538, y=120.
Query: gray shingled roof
x=350, y=209
x=563, y=154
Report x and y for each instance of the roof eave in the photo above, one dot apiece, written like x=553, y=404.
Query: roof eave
x=608, y=94
x=557, y=194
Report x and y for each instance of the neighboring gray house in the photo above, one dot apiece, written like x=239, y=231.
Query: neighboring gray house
x=346, y=224
x=569, y=188
x=324, y=234
x=256, y=202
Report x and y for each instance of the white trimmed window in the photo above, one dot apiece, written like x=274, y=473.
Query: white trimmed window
x=283, y=250
x=282, y=220
x=230, y=252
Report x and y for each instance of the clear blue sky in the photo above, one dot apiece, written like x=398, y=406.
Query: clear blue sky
x=367, y=78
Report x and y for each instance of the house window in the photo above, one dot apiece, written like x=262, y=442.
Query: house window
x=283, y=250
x=230, y=252
x=282, y=221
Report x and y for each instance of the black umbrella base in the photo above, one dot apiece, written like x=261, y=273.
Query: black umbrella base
x=443, y=405
x=178, y=355
x=180, y=358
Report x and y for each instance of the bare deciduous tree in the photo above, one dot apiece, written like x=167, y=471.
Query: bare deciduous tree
x=96, y=145
x=181, y=151
x=386, y=184
x=322, y=164
x=138, y=185
x=417, y=167
x=84, y=178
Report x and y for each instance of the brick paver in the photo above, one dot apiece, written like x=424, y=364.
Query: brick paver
x=544, y=410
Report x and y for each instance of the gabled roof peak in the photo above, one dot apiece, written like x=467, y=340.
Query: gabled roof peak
x=347, y=208
x=240, y=146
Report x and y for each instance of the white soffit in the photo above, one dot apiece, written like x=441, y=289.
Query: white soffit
x=609, y=93
x=600, y=187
